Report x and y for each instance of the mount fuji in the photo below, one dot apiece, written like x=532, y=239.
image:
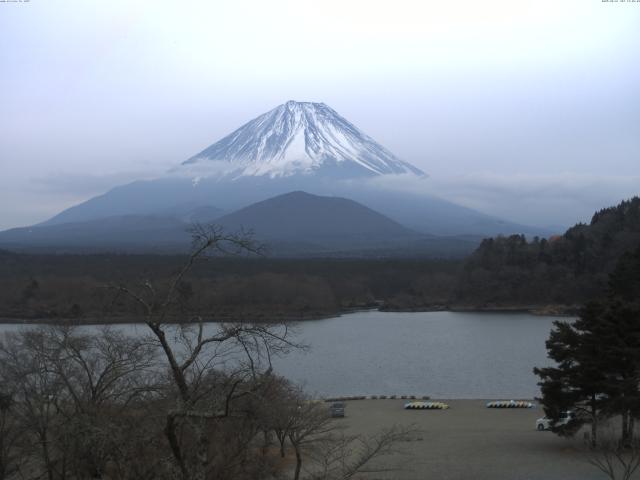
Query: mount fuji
x=297, y=146
x=297, y=138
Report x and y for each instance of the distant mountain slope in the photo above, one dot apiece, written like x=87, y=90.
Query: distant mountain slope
x=193, y=213
x=300, y=216
x=119, y=233
x=566, y=269
x=294, y=224
x=425, y=214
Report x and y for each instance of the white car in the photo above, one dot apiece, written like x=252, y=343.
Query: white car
x=544, y=423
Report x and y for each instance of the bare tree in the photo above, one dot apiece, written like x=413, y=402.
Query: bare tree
x=11, y=434
x=342, y=456
x=37, y=392
x=616, y=458
x=102, y=375
x=310, y=422
x=279, y=410
x=69, y=390
x=210, y=367
x=331, y=453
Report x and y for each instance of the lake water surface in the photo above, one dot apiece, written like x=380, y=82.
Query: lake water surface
x=441, y=354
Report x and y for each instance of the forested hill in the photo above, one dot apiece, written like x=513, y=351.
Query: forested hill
x=567, y=269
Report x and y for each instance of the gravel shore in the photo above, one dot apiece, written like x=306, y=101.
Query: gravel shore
x=470, y=441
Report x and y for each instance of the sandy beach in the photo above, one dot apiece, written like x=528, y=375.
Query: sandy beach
x=470, y=441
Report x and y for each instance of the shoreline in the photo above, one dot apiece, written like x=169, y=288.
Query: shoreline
x=421, y=398
x=536, y=310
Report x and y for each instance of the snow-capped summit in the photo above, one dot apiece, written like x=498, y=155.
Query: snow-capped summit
x=297, y=138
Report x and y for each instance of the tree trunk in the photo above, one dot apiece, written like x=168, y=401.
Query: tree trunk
x=298, y=461
x=172, y=438
x=178, y=374
x=625, y=427
x=202, y=452
x=282, y=438
x=265, y=445
x=594, y=423
x=44, y=442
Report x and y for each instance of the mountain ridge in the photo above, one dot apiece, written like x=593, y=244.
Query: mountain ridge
x=295, y=224
x=300, y=215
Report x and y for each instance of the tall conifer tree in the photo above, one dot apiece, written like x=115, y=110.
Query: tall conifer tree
x=597, y=372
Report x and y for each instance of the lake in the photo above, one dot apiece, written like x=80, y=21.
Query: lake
x=441, y=354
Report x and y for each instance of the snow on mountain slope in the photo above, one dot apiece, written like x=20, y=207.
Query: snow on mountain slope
x=296, y=138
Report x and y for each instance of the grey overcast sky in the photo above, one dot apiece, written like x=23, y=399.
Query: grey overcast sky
x=526, y=109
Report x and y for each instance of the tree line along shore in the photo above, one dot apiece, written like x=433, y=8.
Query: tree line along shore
x=541, y=275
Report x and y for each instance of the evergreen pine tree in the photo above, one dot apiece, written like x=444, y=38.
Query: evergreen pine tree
x=597, y=372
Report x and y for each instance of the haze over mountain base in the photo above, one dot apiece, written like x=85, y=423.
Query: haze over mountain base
x=296, y=147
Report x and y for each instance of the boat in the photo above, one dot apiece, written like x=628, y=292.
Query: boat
x=425, y=406
x=510, y=404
